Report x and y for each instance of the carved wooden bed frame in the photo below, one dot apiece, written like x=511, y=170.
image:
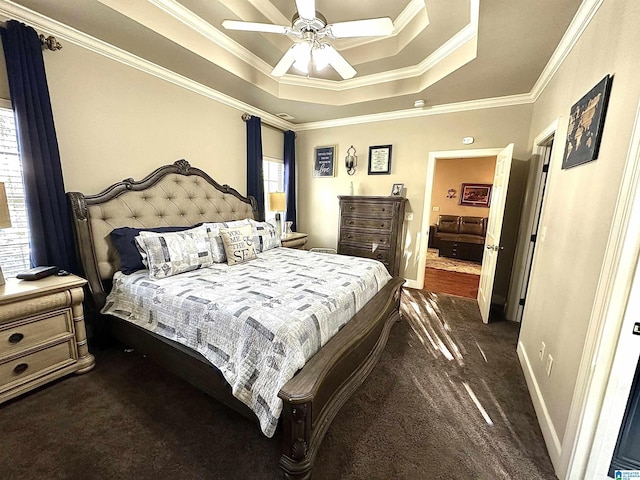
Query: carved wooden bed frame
x=179, y=194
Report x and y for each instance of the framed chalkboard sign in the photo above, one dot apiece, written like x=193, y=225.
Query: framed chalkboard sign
x=324, y=162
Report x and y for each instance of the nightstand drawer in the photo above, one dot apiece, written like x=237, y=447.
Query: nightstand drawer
x=23, y=334
x=37, y=364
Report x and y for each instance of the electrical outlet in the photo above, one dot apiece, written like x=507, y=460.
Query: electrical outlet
x=543, y=348
x=549, y=365
x=436, y=209
x=408, y=216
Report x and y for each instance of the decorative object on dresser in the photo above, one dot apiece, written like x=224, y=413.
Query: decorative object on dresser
x=43, y=333
x=397, y=190
x=372, y=227
x=459, y=237
x=294, y=240
x=380, y=160
x=324, y=162
x=5, y=218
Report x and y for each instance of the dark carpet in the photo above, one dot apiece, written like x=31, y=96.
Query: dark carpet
x=447, y=401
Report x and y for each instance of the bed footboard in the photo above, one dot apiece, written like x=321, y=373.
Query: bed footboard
x=318, y=391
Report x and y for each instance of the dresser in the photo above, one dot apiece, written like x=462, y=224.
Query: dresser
x=371, y=227
x=42, y=333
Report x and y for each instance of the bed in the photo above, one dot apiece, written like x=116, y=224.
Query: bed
x=181, y=195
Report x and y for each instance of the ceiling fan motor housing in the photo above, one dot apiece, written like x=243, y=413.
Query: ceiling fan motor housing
x=301, y=25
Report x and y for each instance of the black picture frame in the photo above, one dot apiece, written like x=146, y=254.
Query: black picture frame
x=476, y=194
x=324, y=164
x=586, y=122
x=379, y=160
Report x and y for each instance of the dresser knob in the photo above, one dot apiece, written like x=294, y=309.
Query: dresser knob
x=350, y=222
x=20, y=368
x=15, y=337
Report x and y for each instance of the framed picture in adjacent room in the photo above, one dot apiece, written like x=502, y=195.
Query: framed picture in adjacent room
x=586, y=122
x=324, y=161
x=380, y=160
x=475, y=194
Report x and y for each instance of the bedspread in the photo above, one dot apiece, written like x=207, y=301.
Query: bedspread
x=257, y=322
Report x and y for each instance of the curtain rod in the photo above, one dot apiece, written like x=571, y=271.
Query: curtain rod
x=247, y=116
x=50, y=42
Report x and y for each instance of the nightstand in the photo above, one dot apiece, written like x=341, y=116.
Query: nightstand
x=42, y=333
x=294, y=240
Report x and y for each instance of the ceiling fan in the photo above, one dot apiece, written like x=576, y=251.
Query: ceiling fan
x=312, y=30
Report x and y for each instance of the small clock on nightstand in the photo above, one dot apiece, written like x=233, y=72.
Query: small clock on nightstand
x=294, y=240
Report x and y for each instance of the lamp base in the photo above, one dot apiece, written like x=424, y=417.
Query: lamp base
x=278, y=225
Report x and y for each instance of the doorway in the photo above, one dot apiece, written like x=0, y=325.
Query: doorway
x=457, y=228
x=494, y=224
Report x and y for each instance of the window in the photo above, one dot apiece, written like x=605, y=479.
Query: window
x=14, y=241
x=273, y=172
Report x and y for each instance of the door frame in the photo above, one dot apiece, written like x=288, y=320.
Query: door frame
x=528, y=217
x=604, y=379
x=428, y=192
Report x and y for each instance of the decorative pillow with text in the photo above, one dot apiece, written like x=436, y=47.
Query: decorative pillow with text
x=238, y=244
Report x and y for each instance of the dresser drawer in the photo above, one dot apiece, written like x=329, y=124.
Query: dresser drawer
x=381, y=224
x=369, y=209
x=381, y=253
x=23, y=334
x=29, y=367
x=368, y=238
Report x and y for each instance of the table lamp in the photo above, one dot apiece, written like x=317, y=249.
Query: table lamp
x=278, y=203
x=5, y=218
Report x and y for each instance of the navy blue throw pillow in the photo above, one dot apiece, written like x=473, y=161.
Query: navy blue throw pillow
x=123, y=239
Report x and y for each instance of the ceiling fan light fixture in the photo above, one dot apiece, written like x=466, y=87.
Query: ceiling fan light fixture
x=301, y=67
x=320, y=55
x=302, y=52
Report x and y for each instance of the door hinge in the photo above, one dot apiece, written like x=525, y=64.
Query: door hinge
x=545, y=167
x=534, y=237
x=521, y=302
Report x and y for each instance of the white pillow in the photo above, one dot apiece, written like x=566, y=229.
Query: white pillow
x=265, y=236
x=238, y=244
x=176, y=252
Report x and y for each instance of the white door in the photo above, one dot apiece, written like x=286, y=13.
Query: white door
x=494, y=229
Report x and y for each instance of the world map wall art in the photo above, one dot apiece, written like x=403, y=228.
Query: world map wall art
x=586, y=123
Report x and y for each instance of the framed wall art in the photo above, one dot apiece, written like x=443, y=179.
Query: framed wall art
x=324, y=161
x=475, y=194
x=380, y=160
x=586, y=123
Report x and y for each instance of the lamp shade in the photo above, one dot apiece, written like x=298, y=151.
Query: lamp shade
x=5, y=219
x=277, y=201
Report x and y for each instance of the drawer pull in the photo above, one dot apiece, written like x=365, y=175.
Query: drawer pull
x=350, y=222
x=20, y=368
x=15, y=337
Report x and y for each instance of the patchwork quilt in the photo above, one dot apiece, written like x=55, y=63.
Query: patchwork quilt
x=258, y=322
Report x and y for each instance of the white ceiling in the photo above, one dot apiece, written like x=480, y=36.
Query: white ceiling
x=441, y=51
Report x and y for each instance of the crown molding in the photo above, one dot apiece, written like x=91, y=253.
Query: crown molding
x=585, y=13
x=11, y=10
x=579, y=23
x=482, y=104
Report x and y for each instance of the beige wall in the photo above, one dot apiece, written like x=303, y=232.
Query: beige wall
x=452, y=173
x=412, y=140
x=579, y=204
x=115, y=122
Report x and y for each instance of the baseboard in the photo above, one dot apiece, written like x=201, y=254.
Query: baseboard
x=551, y=440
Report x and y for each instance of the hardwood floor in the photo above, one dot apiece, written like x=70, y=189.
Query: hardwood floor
x=453, y=283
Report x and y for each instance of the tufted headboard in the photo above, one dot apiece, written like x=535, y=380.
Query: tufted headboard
x=172, y=195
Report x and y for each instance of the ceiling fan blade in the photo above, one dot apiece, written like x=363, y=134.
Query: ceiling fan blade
x=306, y=9
x=373, y=27
x=255, y=27
x=339, y=64
x=284, y=64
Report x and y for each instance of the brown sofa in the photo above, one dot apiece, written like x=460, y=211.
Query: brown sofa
x=460, y=237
